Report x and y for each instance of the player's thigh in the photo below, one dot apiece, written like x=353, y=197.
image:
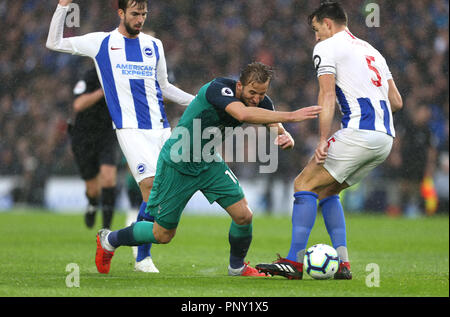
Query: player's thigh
x=141, y=149
x=222, y=186
x=170, y=193
x=313, y=178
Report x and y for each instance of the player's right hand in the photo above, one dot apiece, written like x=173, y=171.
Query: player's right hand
x=321, y=152
x=307, y=113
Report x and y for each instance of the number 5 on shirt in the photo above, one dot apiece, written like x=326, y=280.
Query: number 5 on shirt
x=370, y=60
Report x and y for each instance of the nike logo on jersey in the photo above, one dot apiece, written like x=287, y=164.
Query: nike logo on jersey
x=115, y=48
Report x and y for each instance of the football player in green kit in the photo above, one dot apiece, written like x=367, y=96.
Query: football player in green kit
x=183, y=170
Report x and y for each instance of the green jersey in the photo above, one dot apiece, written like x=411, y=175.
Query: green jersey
x=202, y=127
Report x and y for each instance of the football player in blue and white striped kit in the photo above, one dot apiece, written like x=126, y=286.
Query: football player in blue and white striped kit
x=132, y=69
x=355, y=74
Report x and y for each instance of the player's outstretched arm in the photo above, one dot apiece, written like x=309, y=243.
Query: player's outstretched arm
x=256, y=115
x=55, y=40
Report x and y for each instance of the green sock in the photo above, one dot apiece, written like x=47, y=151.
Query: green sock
x=240, y=237
x=143, y=232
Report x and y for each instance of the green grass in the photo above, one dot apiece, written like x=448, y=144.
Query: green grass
x=36, y=247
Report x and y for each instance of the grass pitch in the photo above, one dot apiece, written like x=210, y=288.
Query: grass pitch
x=36, y=248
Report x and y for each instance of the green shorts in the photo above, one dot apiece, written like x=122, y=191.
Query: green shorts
x=172, y=190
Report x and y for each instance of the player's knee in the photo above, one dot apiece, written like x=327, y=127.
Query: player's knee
x=244, y=219
x=164, y=237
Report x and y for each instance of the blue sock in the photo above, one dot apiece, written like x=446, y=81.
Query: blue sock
x=143, y=250
x=303, y=218
x=333, y=215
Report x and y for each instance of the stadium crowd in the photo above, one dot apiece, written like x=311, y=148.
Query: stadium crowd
x=206, y=39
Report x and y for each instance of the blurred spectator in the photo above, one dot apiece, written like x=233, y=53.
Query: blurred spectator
x=204, y=39
x=441, y=180
x=418, y=151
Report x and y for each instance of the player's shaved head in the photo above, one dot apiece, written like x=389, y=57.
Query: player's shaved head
x=256, y=72
x=124, y=4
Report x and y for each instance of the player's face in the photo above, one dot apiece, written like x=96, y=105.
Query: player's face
x=322, y=30
x=253, y=93
x=134, y=18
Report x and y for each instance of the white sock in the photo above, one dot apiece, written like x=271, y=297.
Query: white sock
x=301, y=255
x=107, y=245
x=342, y=253
x=232, y=271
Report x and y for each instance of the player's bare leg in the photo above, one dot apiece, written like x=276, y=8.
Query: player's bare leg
x=313, y=178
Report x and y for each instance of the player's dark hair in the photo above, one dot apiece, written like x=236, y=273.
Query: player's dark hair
x=331, y=10
x=124, y=4
x=256, y=72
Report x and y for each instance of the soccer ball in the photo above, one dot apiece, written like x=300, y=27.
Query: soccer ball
x=321, y=261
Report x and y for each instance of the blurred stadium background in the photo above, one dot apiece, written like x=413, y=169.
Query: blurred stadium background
x=205, y=39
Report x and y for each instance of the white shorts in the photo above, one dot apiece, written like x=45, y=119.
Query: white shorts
x=352, y=154
x=141, y=149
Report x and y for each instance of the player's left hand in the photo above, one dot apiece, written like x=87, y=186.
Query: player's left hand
x=285, y=141
x=321, y=152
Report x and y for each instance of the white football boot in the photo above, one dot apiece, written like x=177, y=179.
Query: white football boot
x=146, y=266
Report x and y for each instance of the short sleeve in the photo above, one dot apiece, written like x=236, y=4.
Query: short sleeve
x=324, y=60
x=221, y=93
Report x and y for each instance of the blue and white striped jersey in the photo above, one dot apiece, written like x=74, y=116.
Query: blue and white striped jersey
x=362, y=78
x=133, y=73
